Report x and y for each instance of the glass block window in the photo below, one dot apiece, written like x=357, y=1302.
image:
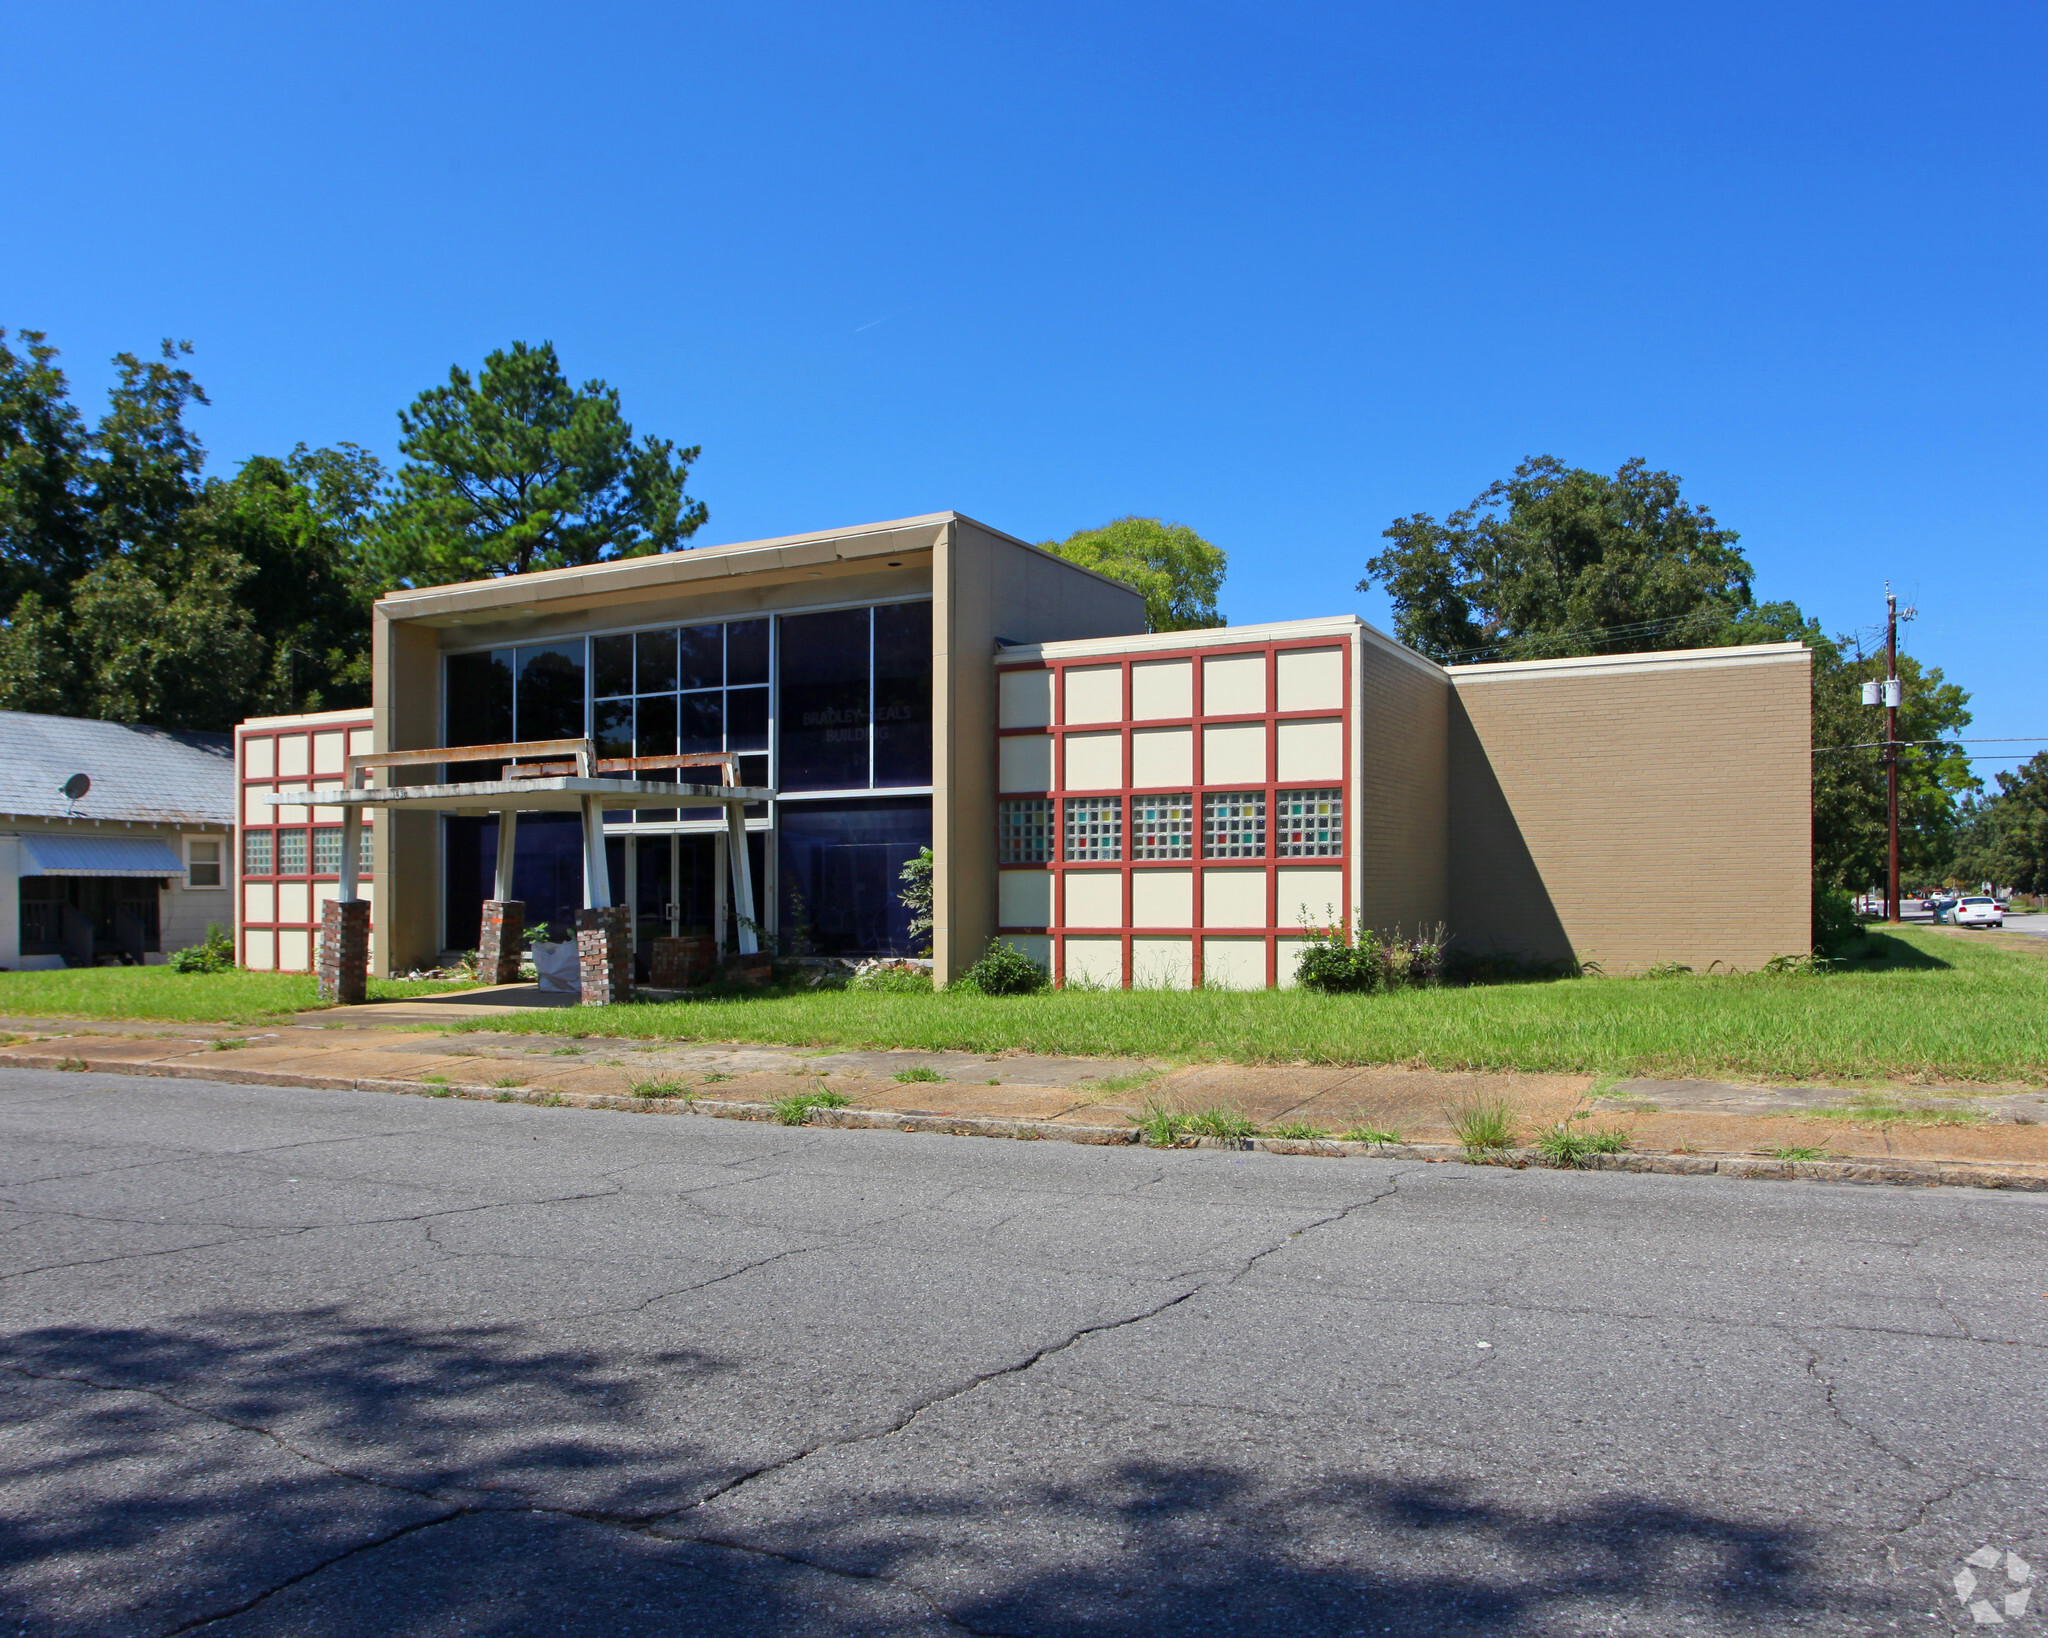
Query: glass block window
x=256, y=857
x=1234, y=825
x=1162, y=827
x=291, y=853
x=366, y=849
x=327, y=851
x=1310, y=824
x=1095, y=828
x=1024, y=831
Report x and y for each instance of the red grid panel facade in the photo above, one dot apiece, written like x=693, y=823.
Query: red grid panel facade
x=290, y=858
x=1214, y=819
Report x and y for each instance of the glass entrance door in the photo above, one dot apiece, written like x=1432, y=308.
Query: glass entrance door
x=654, y=896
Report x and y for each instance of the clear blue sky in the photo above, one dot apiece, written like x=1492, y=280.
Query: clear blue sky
x=1281, y=272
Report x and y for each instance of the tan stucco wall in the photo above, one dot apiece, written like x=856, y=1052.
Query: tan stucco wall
x=1400, y=758
x=987, y=586
x=1634, y=809
x=406, y=706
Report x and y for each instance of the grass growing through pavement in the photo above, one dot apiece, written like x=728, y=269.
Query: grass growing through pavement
x=792, y=1111
x=1929, y=1006
x=191, y=998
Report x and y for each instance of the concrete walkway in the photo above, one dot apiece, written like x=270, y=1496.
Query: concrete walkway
x=385, y=1046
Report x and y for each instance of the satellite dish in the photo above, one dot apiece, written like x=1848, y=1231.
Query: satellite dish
x=76, y=786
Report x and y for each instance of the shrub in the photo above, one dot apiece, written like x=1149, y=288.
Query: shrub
x=1372, y=1134
x=1835, y=922
x=1002, y=970
x=891, y=978
x=919, y=1072
x=213, y=954
x=1302, y=1130
x=1340, y=960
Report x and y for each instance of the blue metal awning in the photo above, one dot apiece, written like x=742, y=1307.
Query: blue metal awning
x=99, y=856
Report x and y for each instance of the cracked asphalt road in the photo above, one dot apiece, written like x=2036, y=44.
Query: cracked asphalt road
x=287, y=1362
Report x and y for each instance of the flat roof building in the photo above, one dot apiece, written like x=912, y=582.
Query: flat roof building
x=1126, y=807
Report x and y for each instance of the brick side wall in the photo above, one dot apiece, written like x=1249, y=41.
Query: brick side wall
x=1402, y=791
x=1634, y=813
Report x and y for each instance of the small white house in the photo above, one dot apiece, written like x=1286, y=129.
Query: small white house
x=116, y=841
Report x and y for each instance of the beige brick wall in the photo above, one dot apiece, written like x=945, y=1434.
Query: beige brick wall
x=1400, y=759
x=987, y=585
x=1634, y=809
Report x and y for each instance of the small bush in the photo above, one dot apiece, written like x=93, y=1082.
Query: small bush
x=1221, y=1123
x=793, y=1111
x=1002, y=970
x=1485, y=1125
x=213, y=954
x=1300, y=1130
x=891, y=978
x=1371, y=1134
x=1341, y=960
x=1613, y=1141
x=1835, y=922
x=655, y=1089
x=919, y=1072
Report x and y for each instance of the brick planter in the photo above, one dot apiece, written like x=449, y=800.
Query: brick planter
x=604, y=952
x=749, y=969
x=501, y=941
x=345, y=951
x=677, y=963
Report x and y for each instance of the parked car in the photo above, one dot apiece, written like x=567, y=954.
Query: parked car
x=1979, y=911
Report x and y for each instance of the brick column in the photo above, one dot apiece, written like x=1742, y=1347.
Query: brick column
x=501, y=942
x=604, y=954
x=345, y=951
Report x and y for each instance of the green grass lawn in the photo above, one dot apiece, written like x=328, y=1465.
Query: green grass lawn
x=1926, y=1005
x=188, y=998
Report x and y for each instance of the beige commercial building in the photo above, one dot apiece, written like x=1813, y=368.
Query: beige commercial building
x=1127, y=808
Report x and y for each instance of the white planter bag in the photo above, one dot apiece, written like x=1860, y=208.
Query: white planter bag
x=558, y=968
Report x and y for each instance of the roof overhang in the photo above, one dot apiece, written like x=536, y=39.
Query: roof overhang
x=563, y=794
x=132, y=856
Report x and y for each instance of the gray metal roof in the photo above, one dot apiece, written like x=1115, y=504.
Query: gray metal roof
x=153, y=774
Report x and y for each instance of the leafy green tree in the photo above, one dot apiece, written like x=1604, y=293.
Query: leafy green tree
x=516, y=471
x=1557, y=560
x=2003, y=839
x=135, y=589
x=298, y=523
x=1178, y=571
x=1849, y=844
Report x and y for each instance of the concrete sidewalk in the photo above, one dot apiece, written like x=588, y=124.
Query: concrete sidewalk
x=1099, y=1098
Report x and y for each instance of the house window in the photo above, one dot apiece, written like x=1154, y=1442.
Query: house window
x=327, y=851
x=366, y=849
x=291, y=853
x=256, y=855
x=1095, y=828
x=1234, y=825
x=1024, y=831
x=1162, y=827
x=202, y=862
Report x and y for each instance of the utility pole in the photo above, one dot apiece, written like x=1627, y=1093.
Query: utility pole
x=1891, y=750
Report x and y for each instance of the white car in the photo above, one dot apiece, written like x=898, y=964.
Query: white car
x=1978, y=911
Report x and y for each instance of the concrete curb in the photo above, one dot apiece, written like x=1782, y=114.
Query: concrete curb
x=1900, y=1173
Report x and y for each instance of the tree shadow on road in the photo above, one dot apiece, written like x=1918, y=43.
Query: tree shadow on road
x=308, y=1473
